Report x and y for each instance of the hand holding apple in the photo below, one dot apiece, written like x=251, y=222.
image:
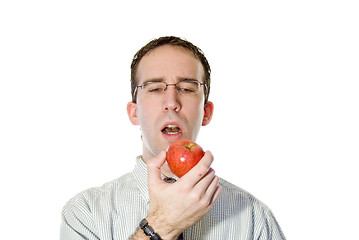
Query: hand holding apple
x=177, y=206
x=182, y=155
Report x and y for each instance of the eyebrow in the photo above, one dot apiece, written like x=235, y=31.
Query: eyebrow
x=162, y=80
x=154, y=80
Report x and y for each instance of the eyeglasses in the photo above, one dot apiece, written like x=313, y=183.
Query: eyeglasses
x=184, y=87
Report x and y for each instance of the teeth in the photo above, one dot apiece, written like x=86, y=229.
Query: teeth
x=171, y=129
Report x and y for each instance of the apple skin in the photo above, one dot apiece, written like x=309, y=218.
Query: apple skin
x=182, y=155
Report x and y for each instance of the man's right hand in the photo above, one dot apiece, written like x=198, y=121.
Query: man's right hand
x=177, y=206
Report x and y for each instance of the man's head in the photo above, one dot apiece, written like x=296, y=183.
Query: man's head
x=172, y=41
x=169, y=96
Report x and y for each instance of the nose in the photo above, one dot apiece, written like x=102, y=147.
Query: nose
x=171, y=101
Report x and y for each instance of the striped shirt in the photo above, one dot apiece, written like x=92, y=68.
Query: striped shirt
x=115, y=210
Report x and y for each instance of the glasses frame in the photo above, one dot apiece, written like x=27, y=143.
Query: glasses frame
x=170, y=84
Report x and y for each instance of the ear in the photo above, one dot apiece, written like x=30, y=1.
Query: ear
x=208, y=113
x=132, y=113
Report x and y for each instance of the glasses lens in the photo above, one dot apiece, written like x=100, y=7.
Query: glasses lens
x=188, y=86
x=154, y=87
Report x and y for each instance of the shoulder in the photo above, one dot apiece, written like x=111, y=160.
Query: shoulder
x=235, y=191
x=243, y=206
x=89, y=199
x=234, y=195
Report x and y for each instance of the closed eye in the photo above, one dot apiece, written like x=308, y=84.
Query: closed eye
x=185, y=90
x=159, y=89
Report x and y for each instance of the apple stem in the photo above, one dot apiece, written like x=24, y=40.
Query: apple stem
x=190, y=146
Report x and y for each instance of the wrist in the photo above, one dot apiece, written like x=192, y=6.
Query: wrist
x=148, y=230
x=162, y=229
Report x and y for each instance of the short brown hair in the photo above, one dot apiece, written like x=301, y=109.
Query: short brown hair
x=174, y=41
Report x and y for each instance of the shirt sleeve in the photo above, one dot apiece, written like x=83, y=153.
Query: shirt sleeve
x=77, y=221
x=271, y=229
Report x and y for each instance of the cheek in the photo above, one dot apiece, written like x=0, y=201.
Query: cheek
x=146, y=117
x=196, y=113
x=144, y=110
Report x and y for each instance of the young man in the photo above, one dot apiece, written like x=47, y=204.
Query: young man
x=170, y=81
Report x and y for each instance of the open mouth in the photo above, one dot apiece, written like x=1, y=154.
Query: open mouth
x=171, y=130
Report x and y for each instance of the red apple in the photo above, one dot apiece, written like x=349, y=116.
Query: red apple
x=182, y=155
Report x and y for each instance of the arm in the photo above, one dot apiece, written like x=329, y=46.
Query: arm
x=176, y=207
x=77, y=222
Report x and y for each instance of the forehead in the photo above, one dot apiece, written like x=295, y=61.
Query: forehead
x=169, y=63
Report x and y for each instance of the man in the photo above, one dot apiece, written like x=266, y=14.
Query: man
x=170, y=83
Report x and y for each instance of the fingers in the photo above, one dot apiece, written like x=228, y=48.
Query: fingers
x=215, y=196
x=202, y=181
x=200, y=170
x=204, y=184
x=213, y=191
x=154, y=168
x=208, y=188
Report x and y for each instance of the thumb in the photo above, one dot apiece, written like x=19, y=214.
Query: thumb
x=154, y=168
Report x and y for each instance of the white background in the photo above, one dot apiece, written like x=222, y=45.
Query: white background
x=285, y=88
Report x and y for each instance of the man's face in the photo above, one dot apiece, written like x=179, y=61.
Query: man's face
x=171, y=115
